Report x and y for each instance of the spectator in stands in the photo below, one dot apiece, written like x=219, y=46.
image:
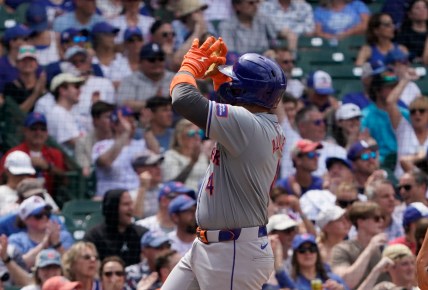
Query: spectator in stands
x=248, y=30
x=44, y=39
x=112, y=273
x=311, y=125
x=354, y=259
x=153, y=244
x=412, y=137
x=353, y=16
x=17, y=166
x=339, y=171
x=101, y=121
x=319, y=91
x=161, y=221
x=308, y=265
x=145, y=197
x=131, y=17
x=285, y=229
x=412, y=187
x=133, y=42
x=347, y=129
x=379, y=36
x=48, y=161
x=413, y=213
x=34, y=216
x=334, y=227
x=284, y=57
x=12, y=13
x=364, y=158
x=184, y=161
x=109, y=9
x=296, y=16
x=28, y=86
x=83, y=16
x=62, y=124
x=113, y=157
x=382, y=192
x=13, y=38
x=413, y=32
x=403, y=270
x=81, y=263
x=398, y=61
x=384, y=89
x=152, y=79
x=163, y=34
x=160, y=118
x=305, y=159
x=48, y=264
x=346, y=194
x=182, y=211
x=117, y=235
x=59, y=282
x=112, y=63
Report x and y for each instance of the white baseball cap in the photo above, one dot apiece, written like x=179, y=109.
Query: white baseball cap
x=65, y=78
x=347, y=111
x=321, y=82
x=19, y=163
x=328, y=215
x=31, y=206
x=280, y=222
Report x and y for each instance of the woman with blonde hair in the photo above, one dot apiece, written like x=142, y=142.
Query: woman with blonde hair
x=81, y=263
x=185, y=161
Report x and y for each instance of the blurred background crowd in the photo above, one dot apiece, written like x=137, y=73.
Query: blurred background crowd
x=100, y=177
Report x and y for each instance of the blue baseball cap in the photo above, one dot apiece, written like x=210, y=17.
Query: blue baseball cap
x=153, y=239
x=34, y=118
x=396, y=55
x=355, y=150
x=47, y=257
x=15, y=32
x=301, y=239
x=126, y=112
x=151, y=50
x=37, y=18
x=414, y=212
x=132, y=31
x=332, y=160
x=181, y=203
x=320, y=82
x=104, y=27
x=175, y=187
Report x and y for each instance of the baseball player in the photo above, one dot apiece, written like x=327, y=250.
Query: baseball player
x=232, y=250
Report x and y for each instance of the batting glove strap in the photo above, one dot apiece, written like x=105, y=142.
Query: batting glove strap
x=182, y=77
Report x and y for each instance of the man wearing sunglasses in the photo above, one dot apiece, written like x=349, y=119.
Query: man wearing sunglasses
x=305, y=159
x=413, y=186
x=152, y=79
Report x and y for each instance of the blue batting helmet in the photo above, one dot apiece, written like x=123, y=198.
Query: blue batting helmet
x=255, y=80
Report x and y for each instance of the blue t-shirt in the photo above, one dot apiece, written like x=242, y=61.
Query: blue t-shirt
x=302, y=283
x=23, y=243
x=8, y=224
x=315, y=184
x=380, y=128
x=335, y=22
x=8, y=72
x=69, y=20
x=165, y=139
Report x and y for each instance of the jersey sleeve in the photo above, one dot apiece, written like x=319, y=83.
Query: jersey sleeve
x=231, y=126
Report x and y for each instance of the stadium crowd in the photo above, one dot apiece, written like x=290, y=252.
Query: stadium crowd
x=87, y=82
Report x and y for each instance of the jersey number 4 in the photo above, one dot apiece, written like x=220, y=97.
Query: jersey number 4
x=210, y=184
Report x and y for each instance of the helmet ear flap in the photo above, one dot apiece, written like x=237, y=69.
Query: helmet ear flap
x=226, y=94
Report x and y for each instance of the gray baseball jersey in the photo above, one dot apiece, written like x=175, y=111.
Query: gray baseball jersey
x=243, y=167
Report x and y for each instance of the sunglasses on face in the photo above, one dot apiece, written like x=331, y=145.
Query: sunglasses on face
x=134, y=39
x=345, y=203
x=406, y=187
x=79, y=39
x=167, y=34
x=89, y=257
x=420, y=111
x=116, y=273
x=319, y=122
x=38, y=128
x=155, y=59
x=193, y=133
x=368, y=156
x=377, y=218
x=287, y=61
x=311, y=155
x=310, y=249
x=253, y=2
x=40, y=216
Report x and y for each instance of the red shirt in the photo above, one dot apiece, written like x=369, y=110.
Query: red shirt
x=51, y=155
x=402, y=240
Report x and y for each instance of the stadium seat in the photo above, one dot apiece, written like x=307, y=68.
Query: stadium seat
x=347, y=86
x=81, y=207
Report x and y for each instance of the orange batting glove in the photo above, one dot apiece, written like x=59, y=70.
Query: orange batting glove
x=217, y=77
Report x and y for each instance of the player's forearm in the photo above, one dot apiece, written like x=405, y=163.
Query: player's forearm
x=422, y=263
x=188, y=102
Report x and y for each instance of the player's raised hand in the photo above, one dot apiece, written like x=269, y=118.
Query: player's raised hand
x=199, y=58
x=217, y=77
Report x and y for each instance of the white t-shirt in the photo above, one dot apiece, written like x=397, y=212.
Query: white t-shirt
x=178, y=245
x=31, y=287
x=295, y=87
x=151, y=204
x=410, y=92
x=120, y=174
x=62, y=124
x=328, y=150
x=50, y=53
x=8, y=196
x=407, y=143
x=291, y=138
x=152, y=223
x=144, y=23
x=117, y=70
